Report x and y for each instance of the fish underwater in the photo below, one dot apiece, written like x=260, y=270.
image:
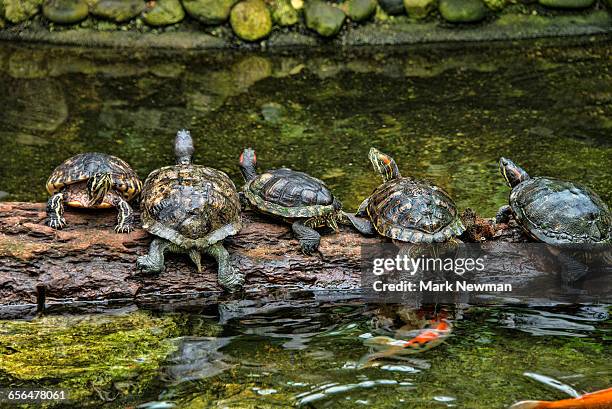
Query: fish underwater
x=424, y=340
x=595, y=400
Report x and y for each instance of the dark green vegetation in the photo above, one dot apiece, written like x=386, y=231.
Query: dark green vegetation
x=307, y=353
x=445, y=114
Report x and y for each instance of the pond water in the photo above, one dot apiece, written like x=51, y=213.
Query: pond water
x=445, y=113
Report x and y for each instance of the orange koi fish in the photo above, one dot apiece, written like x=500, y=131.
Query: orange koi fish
x=595, y=400
x=423, y=341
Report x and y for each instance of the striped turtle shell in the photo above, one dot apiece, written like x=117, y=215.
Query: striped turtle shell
x=413, y=211
x=81, y=167
x=290, y=194
x=190, y=205
x=557, y=211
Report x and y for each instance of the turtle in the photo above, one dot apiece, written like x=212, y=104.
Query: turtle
x=554, y=211
x=190, y=209
x=406, y=209
x=295, y=197
x=93, y=180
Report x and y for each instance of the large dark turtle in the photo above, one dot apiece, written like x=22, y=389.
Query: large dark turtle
x=191, y=209
x=295, y=197
x=406, y=209
x=93, y=180
x=554, y=211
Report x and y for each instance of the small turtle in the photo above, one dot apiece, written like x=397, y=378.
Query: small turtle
x=191, y=209
x=554, y=211
x=96, y=181
x=406, y=209
x=296, y=197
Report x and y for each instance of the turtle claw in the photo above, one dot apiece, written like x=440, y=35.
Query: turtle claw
x=145, y=264
x=309, y=246
x=231, y=279
x=125, y=228
x=56, y=223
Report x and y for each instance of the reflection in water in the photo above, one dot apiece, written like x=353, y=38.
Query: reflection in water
x=445, y=114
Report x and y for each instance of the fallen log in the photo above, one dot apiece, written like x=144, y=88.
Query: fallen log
x=89, y=261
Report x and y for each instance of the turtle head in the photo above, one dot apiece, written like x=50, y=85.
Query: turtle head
x=97, y=186
x=248, y=164
x=513, y=173
x=183, y=147
x=384, y=164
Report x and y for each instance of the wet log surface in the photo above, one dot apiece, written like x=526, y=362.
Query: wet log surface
x=89, y=261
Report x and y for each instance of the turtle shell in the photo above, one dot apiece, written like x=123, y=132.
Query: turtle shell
x=290, y=194
x=556, y=211
x=190, y=205
x=413, y=211
x=81, y=167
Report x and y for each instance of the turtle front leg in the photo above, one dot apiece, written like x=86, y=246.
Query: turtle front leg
x=309, y=238
x=504, y=214
x=361, y=224
x=154, y=261
x=125, y=217
x=229, y=277
x=55, y=211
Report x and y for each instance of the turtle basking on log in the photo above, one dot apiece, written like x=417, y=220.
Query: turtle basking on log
x=191, y=209
x=94, y=181
x=554, y=211
x=295, y=197
x=406, y=209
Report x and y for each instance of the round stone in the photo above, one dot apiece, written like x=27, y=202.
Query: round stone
x=164, y=12
x=323, y=18
x=209, y=11
x=251, y=20
x=462, y=11
x=392, y=7
x=359, y=10
x=65, y=11
x=118, y=11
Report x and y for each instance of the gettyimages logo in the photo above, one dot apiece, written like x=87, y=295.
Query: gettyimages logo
x=412, y=265
x=486, y=272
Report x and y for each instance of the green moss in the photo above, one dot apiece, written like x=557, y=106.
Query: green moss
x=419, y=8
x=86, y=353
x=567, y=4
x=283, y=14
x=17, y=11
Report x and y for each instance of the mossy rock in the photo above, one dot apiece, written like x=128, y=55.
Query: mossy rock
x=323, y=18
x=392, y=7
x=251, y=20
x=283, y=14
x=419, y=8
x=65, y=11
x=164, y=12
x=209, y=11
x=117, y=10
x=567, y=4
x=359, y=10
x=462, y=11
x=17, y=11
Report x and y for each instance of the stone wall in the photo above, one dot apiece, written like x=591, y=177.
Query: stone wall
x=305, y=22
